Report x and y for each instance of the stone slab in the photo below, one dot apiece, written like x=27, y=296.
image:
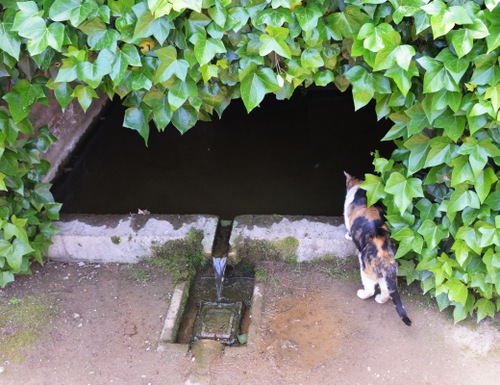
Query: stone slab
x=124, y=238
x=318, y=237
x=174, y=314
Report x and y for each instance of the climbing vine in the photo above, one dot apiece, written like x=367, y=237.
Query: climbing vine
x=431, y=67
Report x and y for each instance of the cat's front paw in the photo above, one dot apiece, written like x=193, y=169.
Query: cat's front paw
x=363, y=294
x=348, y=236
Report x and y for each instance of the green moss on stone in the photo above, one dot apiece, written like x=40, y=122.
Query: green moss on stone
x=23, y=323
x=254, y=250
x=180, y=257
x=116, y=240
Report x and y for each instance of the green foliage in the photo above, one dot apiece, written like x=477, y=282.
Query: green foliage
x=431, y=66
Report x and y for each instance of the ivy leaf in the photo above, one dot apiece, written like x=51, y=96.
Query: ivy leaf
x=275, y=17
x=407, y=8
x=218, y=13
x=457, y=291
x=237, y=18
x=462, y=198
x=478, y=152
x=274, y=40
x=85, y=94
x=483, y=183
x=15, y=252
x=124, y=57
x=419, y=147
x=484, y=307
x=348, y=22
x=453, y=125
x=75, y=11
x=206, y=48
x=432, y=233
x=15, y=228
x=362, y=86
x=372, y=35
x=9, y=41
x=311, y=58
x=403, y=190
x=461, y=172
x=137, y=118
x=493, y=40
x=308, y=16
x=170, y=65
x=436, y=76
x=487, y=71
x=17, y=109
x=180, y=92
x=491, y=4
x=209, y=71
x=401, y=77
x=463, y=39
x=441, y=151
x=185, y=118
x=180, y=5
x=374, y=189
x=493, y=93
x=408, y=241
x=255, y=84
x=323, y=78
x=62, y=92
x=99, y=36
x=92, y=73
x=418, y=119
x=490, y=235
x=158, y=102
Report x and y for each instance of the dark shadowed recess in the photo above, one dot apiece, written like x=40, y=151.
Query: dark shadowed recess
x=286, y=157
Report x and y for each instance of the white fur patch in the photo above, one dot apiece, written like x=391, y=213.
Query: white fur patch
x=349, y=198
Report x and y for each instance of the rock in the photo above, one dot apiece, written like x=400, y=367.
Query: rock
x=130, y=330
x=206, y=351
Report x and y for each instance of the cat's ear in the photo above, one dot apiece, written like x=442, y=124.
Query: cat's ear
x=347, y=176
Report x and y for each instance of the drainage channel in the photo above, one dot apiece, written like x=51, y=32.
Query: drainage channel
x=218, y=303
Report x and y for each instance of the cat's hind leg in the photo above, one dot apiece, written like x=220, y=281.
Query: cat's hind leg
x=384, y=295
x=368, y=286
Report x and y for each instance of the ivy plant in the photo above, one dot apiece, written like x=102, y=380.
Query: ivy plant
x=430, y=65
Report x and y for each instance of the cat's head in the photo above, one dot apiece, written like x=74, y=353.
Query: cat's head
x=351, y=181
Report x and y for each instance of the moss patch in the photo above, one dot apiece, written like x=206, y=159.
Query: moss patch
x=179, y=258
x=23, y=323
x=254, y=250
x=115, y=240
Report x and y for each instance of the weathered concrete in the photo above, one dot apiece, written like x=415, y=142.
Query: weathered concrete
x=124, y=238
x=255, y=322
x=174, y=314
x=68, y=127
x=318, y=237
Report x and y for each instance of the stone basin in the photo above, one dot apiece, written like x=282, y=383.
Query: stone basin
x=218, y=321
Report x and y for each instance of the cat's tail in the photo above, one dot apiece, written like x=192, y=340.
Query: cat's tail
x=393, y=290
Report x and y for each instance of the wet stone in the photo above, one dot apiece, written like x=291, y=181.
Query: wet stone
x=218, y=321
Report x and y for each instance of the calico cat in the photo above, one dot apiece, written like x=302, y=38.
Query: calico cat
x=367, y=229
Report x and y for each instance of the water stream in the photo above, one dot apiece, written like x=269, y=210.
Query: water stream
x=219, y=270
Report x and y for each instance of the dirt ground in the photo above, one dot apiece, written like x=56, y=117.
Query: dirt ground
x=104, y=322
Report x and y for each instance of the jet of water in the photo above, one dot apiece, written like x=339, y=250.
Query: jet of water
x=219, y=269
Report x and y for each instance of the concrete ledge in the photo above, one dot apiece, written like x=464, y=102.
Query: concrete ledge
x=310, y=237
x=124, y=238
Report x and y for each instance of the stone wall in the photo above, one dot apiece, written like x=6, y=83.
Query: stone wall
x=68, y=127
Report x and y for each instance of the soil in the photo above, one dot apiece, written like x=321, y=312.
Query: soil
x=107, y=319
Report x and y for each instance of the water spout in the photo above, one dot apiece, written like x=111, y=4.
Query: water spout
x=219, y=269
